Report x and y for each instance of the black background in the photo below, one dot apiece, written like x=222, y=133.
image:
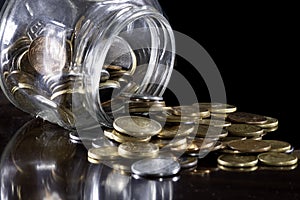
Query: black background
x=254, y=46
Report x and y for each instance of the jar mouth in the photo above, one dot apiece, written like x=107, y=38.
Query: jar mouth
x=146, y=46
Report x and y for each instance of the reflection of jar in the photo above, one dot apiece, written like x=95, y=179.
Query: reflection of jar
x=64, y=60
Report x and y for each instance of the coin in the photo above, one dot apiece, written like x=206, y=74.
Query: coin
x=137, y=150
x=210, y=132
x=248, y=118
x=231, y=151
x=190, y=111
x=169, y=132
x=277, y=159
x=238, y=169
x=278, y=168
x=47, y=55
x=169, y=143
x=137, y=97
x=187, y=162
x=137, y=126
x=156, y=167
x=213, y=122
x=268, y=130
x=217, y=107
x=278, y=146
x=122, y=138
x=250, y=146
x=271, y=123
x=104, y=153
x=245, y=130
x=232, y=160
x=109, y=84
x=102, y=142
x=228, y=139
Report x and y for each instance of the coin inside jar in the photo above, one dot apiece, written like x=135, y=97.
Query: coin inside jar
x=245, y=130
x=47, y=55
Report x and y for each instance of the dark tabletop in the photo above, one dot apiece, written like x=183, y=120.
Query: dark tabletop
x=39, y=161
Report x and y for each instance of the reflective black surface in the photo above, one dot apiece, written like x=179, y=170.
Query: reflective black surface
x=39, y=162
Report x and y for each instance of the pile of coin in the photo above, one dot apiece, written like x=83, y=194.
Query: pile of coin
x=44, y=70
x=182, y=135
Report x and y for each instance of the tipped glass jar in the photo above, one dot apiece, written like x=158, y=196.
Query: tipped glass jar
x=71, y=62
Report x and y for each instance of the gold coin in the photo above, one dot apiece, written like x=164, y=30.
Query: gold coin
x=163, y=143
x=93, y=161
x=231, y=151
x=238, y=169
x=137, y=150
x=245, y=130
x=218, y=115
x=47, y=55
x=247, y=118
x=137, y=126
x=104, y=153
x=271, y=123
x=109, y=84
x=268, y=130
x=213, y=122
x=190, y=111
x=210, y=132
x=217, y=107
x=228, y=139
x=166, y=116
x=121, y=138
x=250, y=146
x=232, y=160
x=204, y=143
x=278, y=146
x=169, y=132
x=277, y=159
x=187, y=162
x=279, y=168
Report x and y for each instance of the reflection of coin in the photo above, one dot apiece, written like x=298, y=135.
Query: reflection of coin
x=248, y=118
x=137, y=126
x=277, y=159
x=232, y=160
x=245, y=130
x=47, y=55
x=156, y=167
x=250, y=146
x=137, y=149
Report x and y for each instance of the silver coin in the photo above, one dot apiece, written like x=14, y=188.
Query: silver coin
x=156, y=167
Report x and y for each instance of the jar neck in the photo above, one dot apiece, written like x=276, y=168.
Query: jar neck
x=144, y=30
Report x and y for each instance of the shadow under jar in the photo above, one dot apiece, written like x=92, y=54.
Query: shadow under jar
x=75, y=62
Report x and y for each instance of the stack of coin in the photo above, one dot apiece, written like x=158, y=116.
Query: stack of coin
x=144, y=104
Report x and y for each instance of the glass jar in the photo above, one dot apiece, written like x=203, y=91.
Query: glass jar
x=68, y=60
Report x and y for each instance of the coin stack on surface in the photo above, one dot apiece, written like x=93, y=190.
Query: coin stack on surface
x=182, y=135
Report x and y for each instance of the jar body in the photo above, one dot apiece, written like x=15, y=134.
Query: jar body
x=68, y=60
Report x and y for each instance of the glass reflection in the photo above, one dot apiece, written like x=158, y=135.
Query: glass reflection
x=40, y=162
